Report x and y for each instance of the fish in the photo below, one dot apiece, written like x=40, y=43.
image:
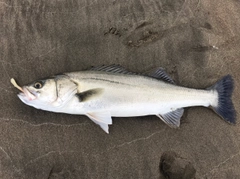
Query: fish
x=107, y=91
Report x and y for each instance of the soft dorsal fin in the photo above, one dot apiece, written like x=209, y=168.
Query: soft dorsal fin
x=103, y=119
x=162, y=75
x=112, y=69
x=172, y=119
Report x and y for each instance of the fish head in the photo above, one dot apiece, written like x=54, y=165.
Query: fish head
x=49, y=93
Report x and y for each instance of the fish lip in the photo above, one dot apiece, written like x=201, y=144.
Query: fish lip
x=27, y=94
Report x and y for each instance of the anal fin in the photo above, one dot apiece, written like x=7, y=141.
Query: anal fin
x=103, y=119
x=172, y=118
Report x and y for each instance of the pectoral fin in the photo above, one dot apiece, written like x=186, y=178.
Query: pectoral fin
x=103, y=119
x=86, y=95
x=172, y=119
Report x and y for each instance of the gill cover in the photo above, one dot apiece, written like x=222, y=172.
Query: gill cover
x=65, y=89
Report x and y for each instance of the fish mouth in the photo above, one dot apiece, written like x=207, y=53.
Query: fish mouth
x=26, y=94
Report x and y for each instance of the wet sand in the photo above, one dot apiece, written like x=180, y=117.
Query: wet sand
x=196, y=42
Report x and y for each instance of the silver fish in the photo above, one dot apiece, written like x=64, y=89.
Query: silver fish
x=111, y=91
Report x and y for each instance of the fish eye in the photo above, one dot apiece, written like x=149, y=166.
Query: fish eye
x=38, y=85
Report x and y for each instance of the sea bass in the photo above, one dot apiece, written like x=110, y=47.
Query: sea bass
x=112, y=91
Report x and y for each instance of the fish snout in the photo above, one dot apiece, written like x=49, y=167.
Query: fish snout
x=26, y=94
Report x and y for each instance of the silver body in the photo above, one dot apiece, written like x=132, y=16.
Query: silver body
x=108, y=91
x=132, y=95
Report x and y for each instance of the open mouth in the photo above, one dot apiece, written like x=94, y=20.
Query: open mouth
x=27, y=94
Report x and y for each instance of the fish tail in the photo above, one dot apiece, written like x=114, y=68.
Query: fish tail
x=224, y=106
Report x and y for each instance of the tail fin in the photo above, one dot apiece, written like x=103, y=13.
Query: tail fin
x=225, y=108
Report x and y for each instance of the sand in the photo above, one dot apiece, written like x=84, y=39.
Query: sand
x=196, y=42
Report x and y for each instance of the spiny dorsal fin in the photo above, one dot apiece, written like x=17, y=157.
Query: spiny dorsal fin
x=172, y=119
x=158, y=74
x=162, y=75
x=112, y=69
x=86, y=95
